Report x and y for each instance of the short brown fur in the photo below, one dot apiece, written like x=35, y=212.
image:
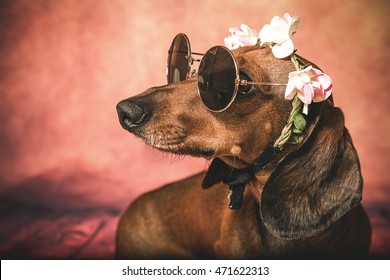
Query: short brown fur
x=304, y=204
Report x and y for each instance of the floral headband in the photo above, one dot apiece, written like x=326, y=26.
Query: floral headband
x=306, y=85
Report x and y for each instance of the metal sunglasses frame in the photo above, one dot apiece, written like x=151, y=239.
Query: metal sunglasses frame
x=237, y=82
x=190, y=57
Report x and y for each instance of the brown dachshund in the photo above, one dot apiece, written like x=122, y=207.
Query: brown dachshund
x=304, y=203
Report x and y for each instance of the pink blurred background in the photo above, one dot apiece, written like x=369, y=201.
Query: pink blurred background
x=67, y=168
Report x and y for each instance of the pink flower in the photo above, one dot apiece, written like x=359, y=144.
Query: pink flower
x=278, y=33
x=241, y=37
x=310, y=85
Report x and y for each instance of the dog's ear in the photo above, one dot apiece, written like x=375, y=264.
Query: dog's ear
x=217, y=171
x=312, y=187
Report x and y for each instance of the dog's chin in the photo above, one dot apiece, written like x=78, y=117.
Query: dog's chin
x=181, y=149
x=175, y=143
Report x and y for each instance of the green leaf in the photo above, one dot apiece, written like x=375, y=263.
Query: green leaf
x=293, y=116
x=296, y=101
x=294, y=139
x=299, y=122
x=296, y=130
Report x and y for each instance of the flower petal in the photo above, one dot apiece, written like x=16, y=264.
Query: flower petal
x=231, y=42
x=280, y=32
x=305, y=109
x=299, y=84
x=325, y=85
x=241, y=37
x=308, y=94
x=318, y=95
x=294, y=24
x=283, y=50
x=305, y=78
x=287, y=17
x=265, y=34
x=324, y=80
x=290, y=90
x=247, y=31
x=248, y=41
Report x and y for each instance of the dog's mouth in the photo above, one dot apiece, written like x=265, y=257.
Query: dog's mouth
x=172, y=139
x=194, y=152
x=167, y=138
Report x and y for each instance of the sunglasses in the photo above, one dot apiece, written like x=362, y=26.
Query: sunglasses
x=218, y=74
x=180, y=59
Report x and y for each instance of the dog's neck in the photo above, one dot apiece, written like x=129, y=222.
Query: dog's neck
x=260, y=168
x=253, y=176
x=266, y=162
x=255, y=186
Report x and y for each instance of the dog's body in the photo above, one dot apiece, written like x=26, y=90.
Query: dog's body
x=304, y=204
x=180, y=221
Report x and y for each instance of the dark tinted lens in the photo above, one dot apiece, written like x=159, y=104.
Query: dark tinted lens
x=178, y=65
x=216, y=78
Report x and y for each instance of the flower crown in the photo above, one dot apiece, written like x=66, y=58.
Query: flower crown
x=305, y=85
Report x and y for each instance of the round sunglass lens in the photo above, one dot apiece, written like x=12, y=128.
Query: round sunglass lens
x=216, y=79
x=178, y=64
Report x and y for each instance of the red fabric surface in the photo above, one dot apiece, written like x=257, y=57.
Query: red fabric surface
x=67, y=168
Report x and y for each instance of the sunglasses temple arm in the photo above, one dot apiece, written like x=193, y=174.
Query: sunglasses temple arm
x=192, y=59
x=195, y=59
x=195, y=53
x=245, y=82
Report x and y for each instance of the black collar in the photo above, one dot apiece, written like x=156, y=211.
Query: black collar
x=237, y=179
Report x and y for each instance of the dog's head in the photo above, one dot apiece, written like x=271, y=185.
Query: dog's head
x=312, y=185
x=172, y=118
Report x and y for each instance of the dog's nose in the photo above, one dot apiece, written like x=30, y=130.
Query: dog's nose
x=131, y=114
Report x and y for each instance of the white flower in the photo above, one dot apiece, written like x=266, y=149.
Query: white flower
x=241, y=37
x=278, y=33
x=309, y=84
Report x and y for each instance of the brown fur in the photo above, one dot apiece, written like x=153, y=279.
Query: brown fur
x=304, y=204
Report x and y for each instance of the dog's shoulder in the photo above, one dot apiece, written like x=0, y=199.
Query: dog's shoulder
x=159, y=219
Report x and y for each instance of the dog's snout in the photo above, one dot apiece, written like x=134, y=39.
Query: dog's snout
x=131, y=114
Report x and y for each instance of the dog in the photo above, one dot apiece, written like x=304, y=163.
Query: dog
x=304, y=203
